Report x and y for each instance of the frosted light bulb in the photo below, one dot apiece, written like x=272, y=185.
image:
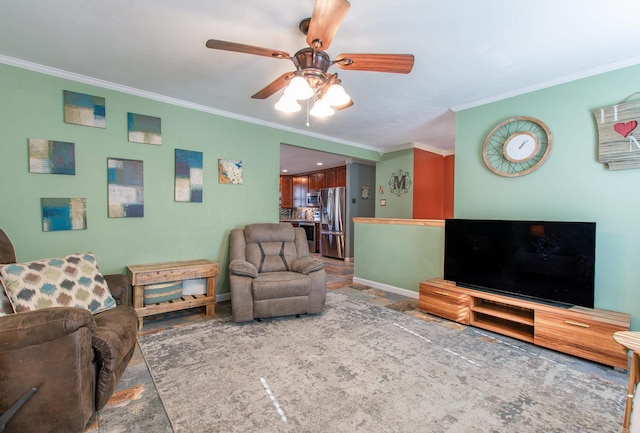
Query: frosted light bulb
x=321, y=109
x=336, y=96
x=287, y=104
x=299, y=89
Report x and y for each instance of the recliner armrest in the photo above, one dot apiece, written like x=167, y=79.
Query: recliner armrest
x=306, y=265
x=243, y=268
x=35, y=327
x=113, y=343
x=118, y=286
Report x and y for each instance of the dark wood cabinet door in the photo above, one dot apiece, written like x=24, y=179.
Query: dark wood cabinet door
x=316, y=181
x=341, y=176
x=330, y=178
x=286, y=191
x=300, y=189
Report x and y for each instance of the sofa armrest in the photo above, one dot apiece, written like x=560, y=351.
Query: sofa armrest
x=118, y=286
x=306, y=265
x=30, y=328
x=243, y=268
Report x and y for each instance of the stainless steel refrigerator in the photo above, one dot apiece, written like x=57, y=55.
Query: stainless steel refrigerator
x=332, y=212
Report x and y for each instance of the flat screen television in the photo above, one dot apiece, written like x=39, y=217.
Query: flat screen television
x=547, y=260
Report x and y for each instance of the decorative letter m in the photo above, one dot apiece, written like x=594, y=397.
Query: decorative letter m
x=399, y=182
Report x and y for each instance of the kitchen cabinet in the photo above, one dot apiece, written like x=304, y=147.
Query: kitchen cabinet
x=335, y=177
x=330, y=178
x=294, y=189
x=316, y=181
x=300, y=189
x=341, y=176
x=286, y=191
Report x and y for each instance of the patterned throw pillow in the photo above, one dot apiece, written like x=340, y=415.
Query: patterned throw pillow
x=5, y=305
x=72, y=281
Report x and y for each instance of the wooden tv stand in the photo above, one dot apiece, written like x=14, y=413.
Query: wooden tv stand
x=579, y=331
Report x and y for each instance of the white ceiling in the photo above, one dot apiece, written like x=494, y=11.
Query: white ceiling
x=466, y=52
x=297, y=160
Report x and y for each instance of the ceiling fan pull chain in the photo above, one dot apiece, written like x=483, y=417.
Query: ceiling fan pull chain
x=307, y=113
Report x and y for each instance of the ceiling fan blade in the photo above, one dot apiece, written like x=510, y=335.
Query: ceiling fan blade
x=325, y=20
x=274, y=86
x=248, y=49
x=396, y=63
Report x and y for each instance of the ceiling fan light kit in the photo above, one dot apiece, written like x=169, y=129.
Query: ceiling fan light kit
x=310, y=79
x=287, y=104
x=299, y=89
x=321, y=109
x=336, y=96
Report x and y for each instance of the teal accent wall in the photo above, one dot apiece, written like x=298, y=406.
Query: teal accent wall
x=398, y=255
x=31, y=107
x=572, y=185
x=397, y=206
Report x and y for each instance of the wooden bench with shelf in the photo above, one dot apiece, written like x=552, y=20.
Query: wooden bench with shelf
x=153, y=273
x=583, y=332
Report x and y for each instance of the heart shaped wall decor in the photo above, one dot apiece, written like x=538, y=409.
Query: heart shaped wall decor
x=625, y=129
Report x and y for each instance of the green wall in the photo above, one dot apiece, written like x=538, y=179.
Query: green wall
x=398, y=255
x=396, y=206
x=572, y=185
x=31, y=107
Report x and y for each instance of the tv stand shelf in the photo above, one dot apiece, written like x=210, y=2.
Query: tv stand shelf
x=506, y=319
x=583, y=332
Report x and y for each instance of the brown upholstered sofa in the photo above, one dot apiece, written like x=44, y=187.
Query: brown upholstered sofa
x=272, y=274
x=73, y=358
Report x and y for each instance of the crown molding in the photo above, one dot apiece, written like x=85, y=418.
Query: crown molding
x=396, y=148
x=72, y=76
x=632, y=61
x=417, y=145
x=432, y=149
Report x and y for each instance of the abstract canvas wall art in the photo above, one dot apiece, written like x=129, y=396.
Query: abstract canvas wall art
x=82, y=109
x=126, y=188
x=229, y=171
x=52, y=157
x=64, y=214
x=188, y=176
x=144, y=129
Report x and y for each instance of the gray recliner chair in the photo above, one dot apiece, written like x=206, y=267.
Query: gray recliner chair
x=272, y=274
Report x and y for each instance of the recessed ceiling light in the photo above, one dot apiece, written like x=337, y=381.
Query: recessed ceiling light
x=285, y=171
x=318, y=163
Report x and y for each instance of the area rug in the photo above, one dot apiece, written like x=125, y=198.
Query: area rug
x=358, y=367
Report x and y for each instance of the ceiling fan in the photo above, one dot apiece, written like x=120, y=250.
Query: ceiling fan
x=311, y=79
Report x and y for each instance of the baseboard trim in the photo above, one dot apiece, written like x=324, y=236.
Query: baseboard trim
x=221, y=297
x=387, y=288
